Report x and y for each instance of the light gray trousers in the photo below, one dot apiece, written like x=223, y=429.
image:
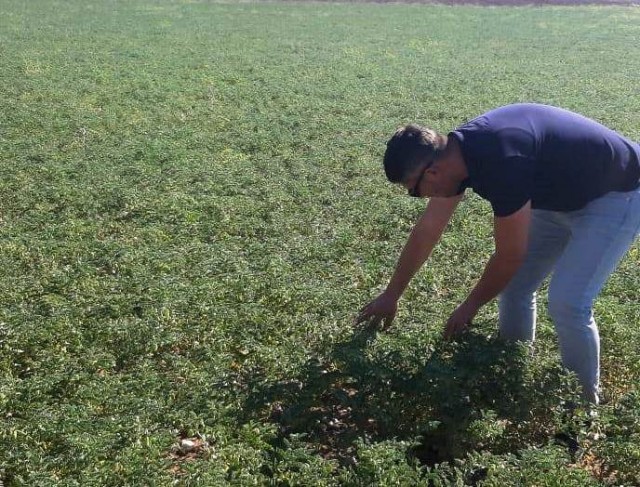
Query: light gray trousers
x=582, y=248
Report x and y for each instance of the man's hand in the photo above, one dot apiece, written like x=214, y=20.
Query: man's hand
x=383, y=308
x=459, y=320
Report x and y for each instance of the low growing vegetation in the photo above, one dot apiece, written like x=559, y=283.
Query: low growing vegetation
x=192, y=210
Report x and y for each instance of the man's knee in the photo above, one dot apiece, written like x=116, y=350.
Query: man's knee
x=517, y=313
x=516, y=298
x=569, y=310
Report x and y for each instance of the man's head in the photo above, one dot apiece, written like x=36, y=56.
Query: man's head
x=420, y=159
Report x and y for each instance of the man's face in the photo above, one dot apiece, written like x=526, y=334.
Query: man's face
x=431, y=179
x=415, y=188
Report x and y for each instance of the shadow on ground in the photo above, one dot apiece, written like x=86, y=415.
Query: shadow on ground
x=452, y=396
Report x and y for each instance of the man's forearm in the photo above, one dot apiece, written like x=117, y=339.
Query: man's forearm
x=416, y=251
x=497, y=274
x=421, y=242
x=511, y=237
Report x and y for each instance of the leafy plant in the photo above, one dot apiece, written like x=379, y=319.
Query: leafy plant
x=192, y=209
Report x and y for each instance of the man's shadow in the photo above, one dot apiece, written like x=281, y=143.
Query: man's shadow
x=436, y=395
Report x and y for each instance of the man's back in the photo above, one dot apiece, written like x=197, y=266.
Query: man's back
x=557, y=159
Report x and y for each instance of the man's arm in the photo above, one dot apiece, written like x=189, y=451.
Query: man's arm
x=511, y=235
x=424, y=236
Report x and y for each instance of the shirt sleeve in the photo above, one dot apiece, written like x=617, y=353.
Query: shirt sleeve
x=510, y=183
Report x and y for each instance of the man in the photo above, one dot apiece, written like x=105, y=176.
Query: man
x=565, y=196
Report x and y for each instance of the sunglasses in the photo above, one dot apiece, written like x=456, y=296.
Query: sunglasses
x=414, y=191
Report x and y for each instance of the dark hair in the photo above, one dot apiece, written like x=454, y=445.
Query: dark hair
x=409, y=147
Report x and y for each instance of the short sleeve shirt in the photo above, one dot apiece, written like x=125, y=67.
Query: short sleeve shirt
x=554, y=158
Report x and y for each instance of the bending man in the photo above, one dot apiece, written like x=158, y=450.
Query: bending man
x=566, y=199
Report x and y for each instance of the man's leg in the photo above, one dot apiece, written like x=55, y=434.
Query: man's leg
x=602, y=233
x=548, y=235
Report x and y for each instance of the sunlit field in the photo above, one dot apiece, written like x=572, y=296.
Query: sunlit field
x=193, y=210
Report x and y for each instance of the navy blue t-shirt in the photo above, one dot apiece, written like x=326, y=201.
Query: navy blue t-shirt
x=557, y=159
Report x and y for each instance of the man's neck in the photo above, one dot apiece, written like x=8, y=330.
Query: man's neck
x=455, y=159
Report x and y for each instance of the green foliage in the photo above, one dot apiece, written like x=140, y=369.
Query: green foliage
x=546, y=466
x=618, y=429
x=192, y=210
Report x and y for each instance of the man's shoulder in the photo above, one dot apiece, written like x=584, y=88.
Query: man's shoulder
x=519, y=109
x=508, y=120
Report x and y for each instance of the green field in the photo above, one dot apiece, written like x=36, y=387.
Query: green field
x=192, y=210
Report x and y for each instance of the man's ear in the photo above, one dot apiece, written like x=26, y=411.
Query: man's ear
x=439, y=166
x=434, y=170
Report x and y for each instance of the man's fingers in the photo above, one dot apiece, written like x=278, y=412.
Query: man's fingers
x=447, y=332
x=387, y=322
x=453, y=329
x=360, y=319
x=374, y=314
x=367, y=317
x=364, y=315
x=375, y=322
x=372, y=321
